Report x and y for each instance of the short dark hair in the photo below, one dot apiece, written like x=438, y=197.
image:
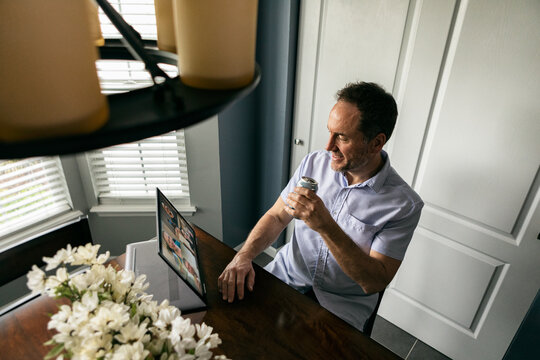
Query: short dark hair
x=378, y=109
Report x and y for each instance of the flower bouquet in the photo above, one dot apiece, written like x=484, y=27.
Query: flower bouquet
x=111, y=317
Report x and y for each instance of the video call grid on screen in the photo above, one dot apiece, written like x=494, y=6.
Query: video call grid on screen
x=178, y=245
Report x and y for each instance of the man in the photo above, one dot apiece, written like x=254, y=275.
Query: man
x=349, y=238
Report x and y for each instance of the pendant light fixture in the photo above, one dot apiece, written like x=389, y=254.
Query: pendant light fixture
x=167, y=105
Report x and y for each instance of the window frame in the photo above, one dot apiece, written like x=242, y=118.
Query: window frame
x=30, y=230
x=122, y=206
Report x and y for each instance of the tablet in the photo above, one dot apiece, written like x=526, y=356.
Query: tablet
x=177, y=246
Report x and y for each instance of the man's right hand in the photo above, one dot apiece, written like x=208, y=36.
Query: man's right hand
x=238, y=273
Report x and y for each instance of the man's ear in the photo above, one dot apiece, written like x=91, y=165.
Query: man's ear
x=376, y=144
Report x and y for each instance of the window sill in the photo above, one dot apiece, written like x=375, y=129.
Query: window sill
x=137, y=210
x=21, y=236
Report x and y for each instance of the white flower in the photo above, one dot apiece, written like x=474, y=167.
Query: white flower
x=166, y=315
x=93, y=347
x=148, y=308
x=88, y=303
x=101, y=259
x=214, y=341
x=181, y=328
x=140, y=284
x=202, y=352
x=133, y=332
x=81, y=282
x=134, y=351
x=187, y=357
x=87, y=255
x=203, y=331
x=36, y=280
x=51, y=283
x=62, y=274
x=61, y=256
x=111, y=317
x=54, y=281
x=60, y=320
x=155, y=346
x=122, y=285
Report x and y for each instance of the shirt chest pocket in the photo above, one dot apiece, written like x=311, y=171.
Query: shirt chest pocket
x=362, y=234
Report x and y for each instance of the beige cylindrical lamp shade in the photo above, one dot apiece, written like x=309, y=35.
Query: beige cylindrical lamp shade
x=95, y=26
x=49, y=81
x=166, y=39
x=215, y=41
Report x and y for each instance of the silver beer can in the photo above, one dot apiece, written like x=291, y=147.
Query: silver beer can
x=308, y=183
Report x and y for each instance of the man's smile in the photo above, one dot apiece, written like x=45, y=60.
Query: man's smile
x=336, y=156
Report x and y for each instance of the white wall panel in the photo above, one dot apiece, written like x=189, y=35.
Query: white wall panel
x=450, y=279
x=487, y=104
x=424, y=47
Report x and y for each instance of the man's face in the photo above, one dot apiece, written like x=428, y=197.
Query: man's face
x=350, y=151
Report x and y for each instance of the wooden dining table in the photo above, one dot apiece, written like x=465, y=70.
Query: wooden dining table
x=274, y=321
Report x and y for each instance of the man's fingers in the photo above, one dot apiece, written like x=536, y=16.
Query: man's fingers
x=251, y=279
x=240, y=286
x=231, y=282
x=296, y=199
x=224, y=293
x=304, y=192
x=219, y=281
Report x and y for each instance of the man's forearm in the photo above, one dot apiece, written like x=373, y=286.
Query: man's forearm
x=265, y=232
x=370, y=273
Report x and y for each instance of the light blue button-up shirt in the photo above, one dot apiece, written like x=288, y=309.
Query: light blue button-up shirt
x=380, y=214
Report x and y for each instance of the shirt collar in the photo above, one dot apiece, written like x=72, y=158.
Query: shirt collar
x=377, y=181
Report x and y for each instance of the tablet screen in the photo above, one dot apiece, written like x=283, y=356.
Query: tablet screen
x=178, y=244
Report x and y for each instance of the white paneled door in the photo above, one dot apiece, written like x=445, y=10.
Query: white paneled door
x=466, y=75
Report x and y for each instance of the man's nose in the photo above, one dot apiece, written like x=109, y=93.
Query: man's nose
x=331, y=144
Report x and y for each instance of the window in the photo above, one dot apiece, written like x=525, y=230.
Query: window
x=31, y=190
x=128, y=174
x=138, y=13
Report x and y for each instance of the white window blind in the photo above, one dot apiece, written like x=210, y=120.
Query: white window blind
x=31, y=190
x=131, y=172
x=117, y=76
x=140, y=14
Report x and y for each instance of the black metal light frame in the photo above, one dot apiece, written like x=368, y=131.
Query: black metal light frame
x=138, y=114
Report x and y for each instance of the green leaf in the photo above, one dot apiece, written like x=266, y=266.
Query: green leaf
x=49, y=342
x=54, y=352
x=133, y=310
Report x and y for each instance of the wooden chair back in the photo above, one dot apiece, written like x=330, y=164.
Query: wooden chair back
x=368, y=326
